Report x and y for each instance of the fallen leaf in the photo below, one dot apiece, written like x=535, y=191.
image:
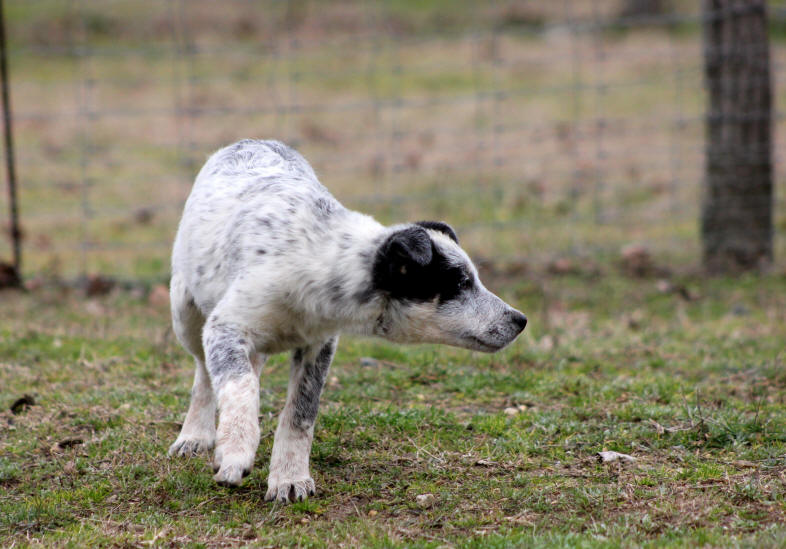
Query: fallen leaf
x=744, y=463
x=608, y=457
x=65, y=443
x=22, y=403
x=425, y=500
x=96, y=285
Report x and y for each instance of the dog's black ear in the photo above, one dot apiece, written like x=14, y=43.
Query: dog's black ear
x=401, y=260
x=441, y=227
x=410, y=246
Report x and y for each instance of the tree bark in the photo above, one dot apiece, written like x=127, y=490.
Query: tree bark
x=736, y=220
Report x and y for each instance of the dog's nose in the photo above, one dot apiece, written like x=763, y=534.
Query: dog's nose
x=519, y=320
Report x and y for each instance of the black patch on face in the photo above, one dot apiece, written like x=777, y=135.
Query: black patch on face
x=441, y=227
x=408, y=266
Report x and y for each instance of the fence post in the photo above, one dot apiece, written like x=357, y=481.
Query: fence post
x=16, y=233
x=736, y=219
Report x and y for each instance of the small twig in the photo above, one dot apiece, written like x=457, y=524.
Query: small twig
x=356, y=508
x=698, y=408
x=197, y=506
x=422, y=449
x=158, y=535
x=688, y=411
x=758, y=409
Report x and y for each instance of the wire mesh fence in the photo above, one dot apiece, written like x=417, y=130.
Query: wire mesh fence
x=539, y=130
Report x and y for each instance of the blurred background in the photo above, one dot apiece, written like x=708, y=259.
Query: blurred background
x=563, y=136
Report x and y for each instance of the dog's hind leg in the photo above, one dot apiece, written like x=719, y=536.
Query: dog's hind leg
x=290, y=479
x=199, y=428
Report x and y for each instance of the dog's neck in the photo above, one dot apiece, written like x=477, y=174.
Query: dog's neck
x=362, y=304
x=337, y=287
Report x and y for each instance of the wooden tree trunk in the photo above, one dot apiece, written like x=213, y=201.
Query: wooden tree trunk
x=736, y=221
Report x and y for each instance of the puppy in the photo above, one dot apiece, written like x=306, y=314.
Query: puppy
x=266, y=260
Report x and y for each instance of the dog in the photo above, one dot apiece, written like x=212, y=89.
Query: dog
x=266, y=260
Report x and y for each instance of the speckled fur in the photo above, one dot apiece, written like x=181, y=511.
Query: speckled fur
x=265, y=261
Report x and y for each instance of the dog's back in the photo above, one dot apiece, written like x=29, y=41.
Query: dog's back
x=252, y=158
x=253, y=202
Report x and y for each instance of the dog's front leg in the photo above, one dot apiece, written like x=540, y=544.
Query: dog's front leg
x=290, y=479
x=236, y=385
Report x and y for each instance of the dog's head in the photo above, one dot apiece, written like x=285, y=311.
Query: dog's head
x=433, y=293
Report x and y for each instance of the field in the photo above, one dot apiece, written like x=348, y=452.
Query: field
x=689, y=382
x=539, y=132
x=552, y=139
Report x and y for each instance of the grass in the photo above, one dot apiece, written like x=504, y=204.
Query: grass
x=693, y=389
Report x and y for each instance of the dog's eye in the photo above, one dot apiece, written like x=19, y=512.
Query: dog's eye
x=465, y=283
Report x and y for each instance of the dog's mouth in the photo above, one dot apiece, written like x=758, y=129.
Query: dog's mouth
x=477, y=344
x=496, y=338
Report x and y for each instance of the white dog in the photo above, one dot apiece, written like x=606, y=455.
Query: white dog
x=266, y=260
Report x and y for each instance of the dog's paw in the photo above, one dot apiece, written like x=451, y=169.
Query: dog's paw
x=232, y=468
x=231, y=475
x=289, y=490
x=189, y=447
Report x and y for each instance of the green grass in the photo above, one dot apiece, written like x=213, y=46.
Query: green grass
x=693, y=389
